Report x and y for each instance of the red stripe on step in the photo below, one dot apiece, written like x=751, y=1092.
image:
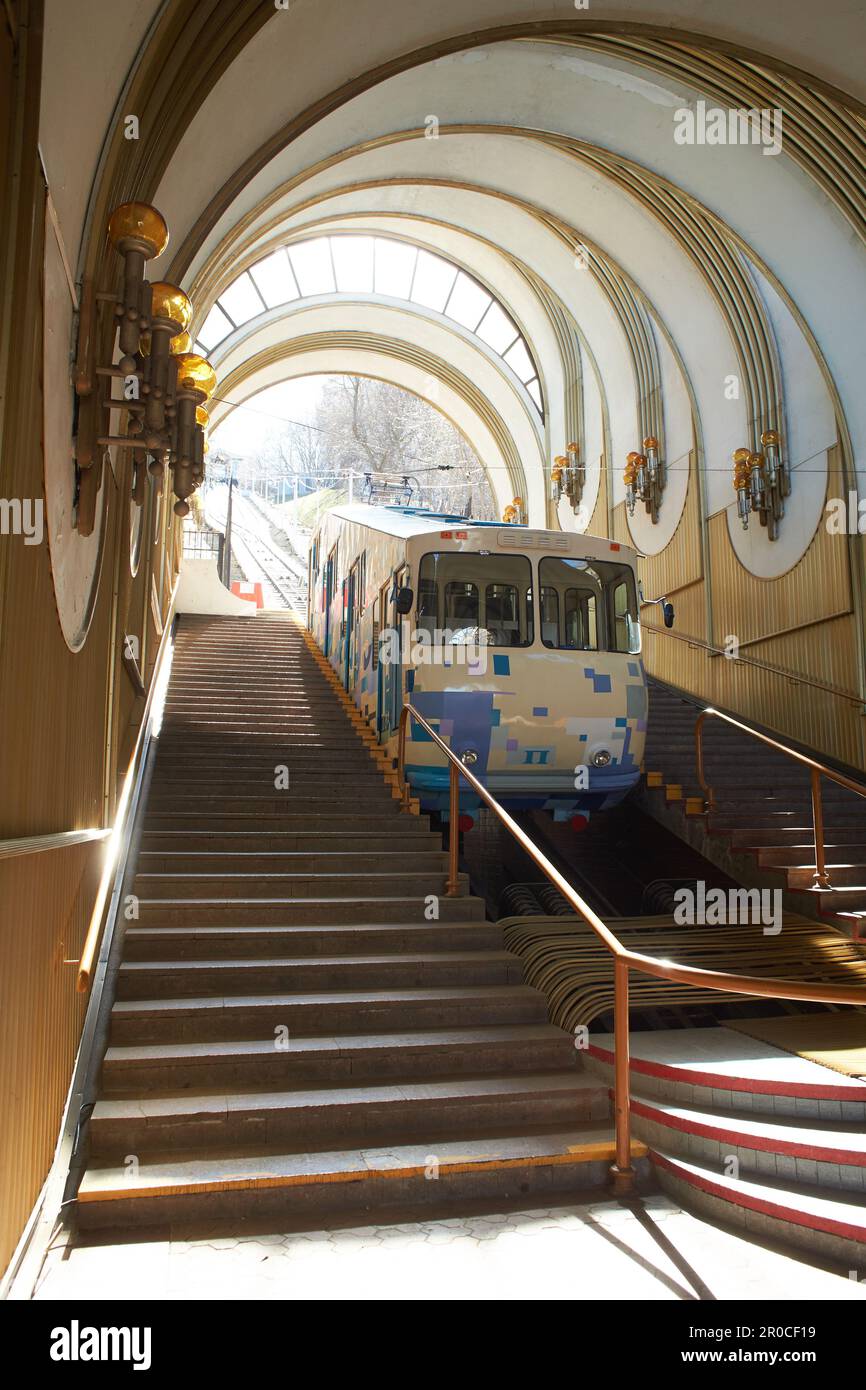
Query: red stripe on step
x=817, y=1152
x=690, y=1077
x=743, y=1199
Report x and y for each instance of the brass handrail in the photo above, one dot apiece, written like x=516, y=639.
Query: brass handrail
x=120, y=833
x=624, y=959
x=817, y=770
x=793, y=677
x=39, y=844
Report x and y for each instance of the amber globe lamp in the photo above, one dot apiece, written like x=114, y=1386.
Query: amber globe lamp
x=195, y=373
x=171, y=303
x=181, y=343
x=138, y=226
x=201, y=417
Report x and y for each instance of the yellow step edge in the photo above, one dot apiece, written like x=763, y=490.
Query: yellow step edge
x=654, y=779
x=673, y=792
x=576, y=1153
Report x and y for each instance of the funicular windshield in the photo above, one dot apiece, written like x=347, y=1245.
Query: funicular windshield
x=470, y=599
x=588, y=605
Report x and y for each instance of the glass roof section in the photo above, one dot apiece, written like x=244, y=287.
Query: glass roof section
x=372, y=265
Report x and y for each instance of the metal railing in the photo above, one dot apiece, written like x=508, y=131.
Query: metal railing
x=817, y=770
x=623, y=959
x=792, y=677
x=115, y=860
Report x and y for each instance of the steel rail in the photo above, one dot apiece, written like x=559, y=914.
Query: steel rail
x=623, y=959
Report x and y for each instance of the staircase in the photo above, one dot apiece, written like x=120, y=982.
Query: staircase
x=750, y=1135
x=304, y=1026
x=761, y=829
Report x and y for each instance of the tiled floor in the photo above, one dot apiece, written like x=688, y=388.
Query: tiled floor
x=652, y=1250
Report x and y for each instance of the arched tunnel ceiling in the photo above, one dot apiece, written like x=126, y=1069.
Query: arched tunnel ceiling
x=555, y=131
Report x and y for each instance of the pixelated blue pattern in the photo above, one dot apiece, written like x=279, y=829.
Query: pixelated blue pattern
x=600, y=684
x=410, y=679
x=501, y=666
x=541, y=711
x=635, y=701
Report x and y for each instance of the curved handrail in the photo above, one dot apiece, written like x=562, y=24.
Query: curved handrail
x=115, y=859
x=624, y=959
x=817, y=770
x=793, y=677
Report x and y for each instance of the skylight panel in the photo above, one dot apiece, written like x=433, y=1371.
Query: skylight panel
x=215, y=327
x=468, y=302
x=433, y=281
x=275, y=280
x=534, y=389
x=496, y=329
x=520, y=361
x=353, y=262
x=240, y=301
x=311, y=262
x=395, y=263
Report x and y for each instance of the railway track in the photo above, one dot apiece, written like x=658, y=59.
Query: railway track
x=284, y=579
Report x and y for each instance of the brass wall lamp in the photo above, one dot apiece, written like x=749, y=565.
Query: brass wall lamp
x=762, y=482
x=645, y=476
x=568, y=476
x=163, y=381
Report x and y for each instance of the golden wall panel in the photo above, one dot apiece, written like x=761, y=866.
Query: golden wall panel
x=817, y=587
x=45, y=905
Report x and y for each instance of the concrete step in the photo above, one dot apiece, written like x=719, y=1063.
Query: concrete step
x=242, y=886
x=722, y=1069
x=760, y=836
x=182, y=979
x=413, y=832
x=230, y=943
x=351, y=1182
x=849, y=899
x=842, y=875
x=325, y=910
x=809, y=1151
x=390, y=818
x=346, y=1011
x=306, y=1061
x=271, y=802
x=833, y=1226
x=356, y=862
x=803, y=856
x=305, y=1119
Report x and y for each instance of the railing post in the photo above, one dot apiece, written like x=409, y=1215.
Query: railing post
x=709, y=798
x=822, y=879
x=453, y=833
x=403, y=780
x=622, y=1172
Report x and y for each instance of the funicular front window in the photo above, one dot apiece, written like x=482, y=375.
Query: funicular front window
x=588, y=606
x=476, y=598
